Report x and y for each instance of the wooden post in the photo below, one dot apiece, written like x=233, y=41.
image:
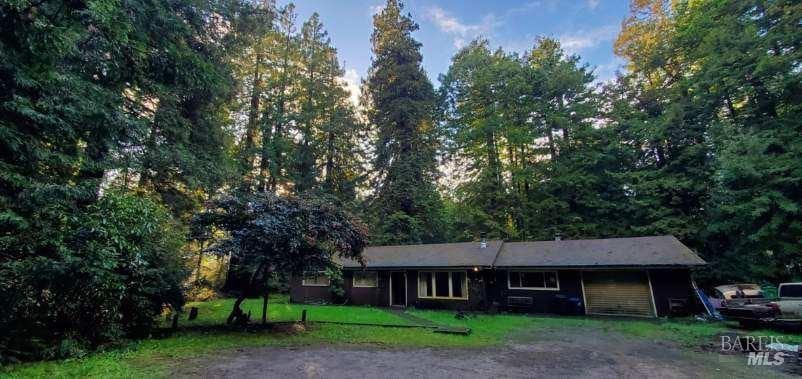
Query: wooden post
x=199, y=265
x=303, y=316
x=264, y=308
x=175, y=321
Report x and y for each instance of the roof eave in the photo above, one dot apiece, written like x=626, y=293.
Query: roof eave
x=576, y=267
x=369, y=267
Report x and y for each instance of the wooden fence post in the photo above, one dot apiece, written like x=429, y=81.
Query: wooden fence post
x=264, y=308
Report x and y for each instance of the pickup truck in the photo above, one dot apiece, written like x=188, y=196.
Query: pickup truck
x=789, y=305
x=739, y=294
x=751, y=312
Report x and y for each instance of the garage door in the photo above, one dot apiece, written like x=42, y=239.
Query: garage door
x=623, y=293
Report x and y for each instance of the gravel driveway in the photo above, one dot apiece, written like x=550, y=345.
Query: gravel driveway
x=564, y=353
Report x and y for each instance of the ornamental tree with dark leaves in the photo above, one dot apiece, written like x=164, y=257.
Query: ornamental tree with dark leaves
x=267, y=234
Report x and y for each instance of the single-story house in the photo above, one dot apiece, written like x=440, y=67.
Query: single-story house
x=639, y=276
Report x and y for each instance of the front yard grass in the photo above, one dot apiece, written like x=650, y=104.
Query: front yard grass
x=155, y=357
x=215, y=312
x=686, y=332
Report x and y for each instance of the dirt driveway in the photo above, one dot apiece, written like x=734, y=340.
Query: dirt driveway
x=564, y=353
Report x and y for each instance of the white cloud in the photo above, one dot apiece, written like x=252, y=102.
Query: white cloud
x=351, y=81
x=575, y=42
x=448, y=23
x=592, y=4
x=460, y=31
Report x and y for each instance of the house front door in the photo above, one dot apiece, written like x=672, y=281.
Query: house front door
x=398, y=288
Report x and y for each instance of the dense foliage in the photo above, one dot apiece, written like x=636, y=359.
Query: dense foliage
x=713, y=107
x=272, y=234
x=120, y=120
x=116, y=264
x=400, y=102
x=700, y=139
x=300, y=132
x=521, y=130
x=98, y=94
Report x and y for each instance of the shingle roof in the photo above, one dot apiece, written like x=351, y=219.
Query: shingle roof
x=465, y=254
x=611, y=252
x=635, y=251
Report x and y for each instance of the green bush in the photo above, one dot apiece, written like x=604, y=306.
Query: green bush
x=107, y=271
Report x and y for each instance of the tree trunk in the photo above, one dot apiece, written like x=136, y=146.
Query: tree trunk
x=264, y=305
x=269, y=178
x=200, y=264
x=305, y=167
x=253, y=120
x=233, y=282
x=275, y=151
x=265, y=155
x=145, y=177
x=730, y=107
x=330, y=160
x=550, y=137
x=237, y=312
x=495, y=170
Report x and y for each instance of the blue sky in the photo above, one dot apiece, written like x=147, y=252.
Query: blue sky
x=585, y=27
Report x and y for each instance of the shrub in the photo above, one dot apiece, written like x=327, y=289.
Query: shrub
x=109, y=270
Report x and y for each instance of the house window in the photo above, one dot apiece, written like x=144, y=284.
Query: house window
x=442, y=285
x=365, y=278
x=315, y=279
x=533, y=280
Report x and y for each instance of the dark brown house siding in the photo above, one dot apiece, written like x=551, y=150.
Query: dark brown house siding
x=490, y=287
x=380, y=295
x=543, y=301
x=377, y=296
x=308, y=294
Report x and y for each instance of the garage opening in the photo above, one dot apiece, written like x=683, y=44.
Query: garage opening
x=620, y=293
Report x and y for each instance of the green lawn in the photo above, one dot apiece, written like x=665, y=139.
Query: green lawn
x=279, y=309
x=154, y=357
x=489, y=329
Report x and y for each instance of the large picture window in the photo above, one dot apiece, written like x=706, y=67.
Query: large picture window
x=315, y=279
x=533, y=280
x=365, y=278
x=443, y=285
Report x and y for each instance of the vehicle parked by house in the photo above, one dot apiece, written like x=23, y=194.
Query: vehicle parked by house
x=783, y=312
x=636, y=277
x=737, y=294
x=789, y=305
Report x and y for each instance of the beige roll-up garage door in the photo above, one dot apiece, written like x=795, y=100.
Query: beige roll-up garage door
x=625, y=293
